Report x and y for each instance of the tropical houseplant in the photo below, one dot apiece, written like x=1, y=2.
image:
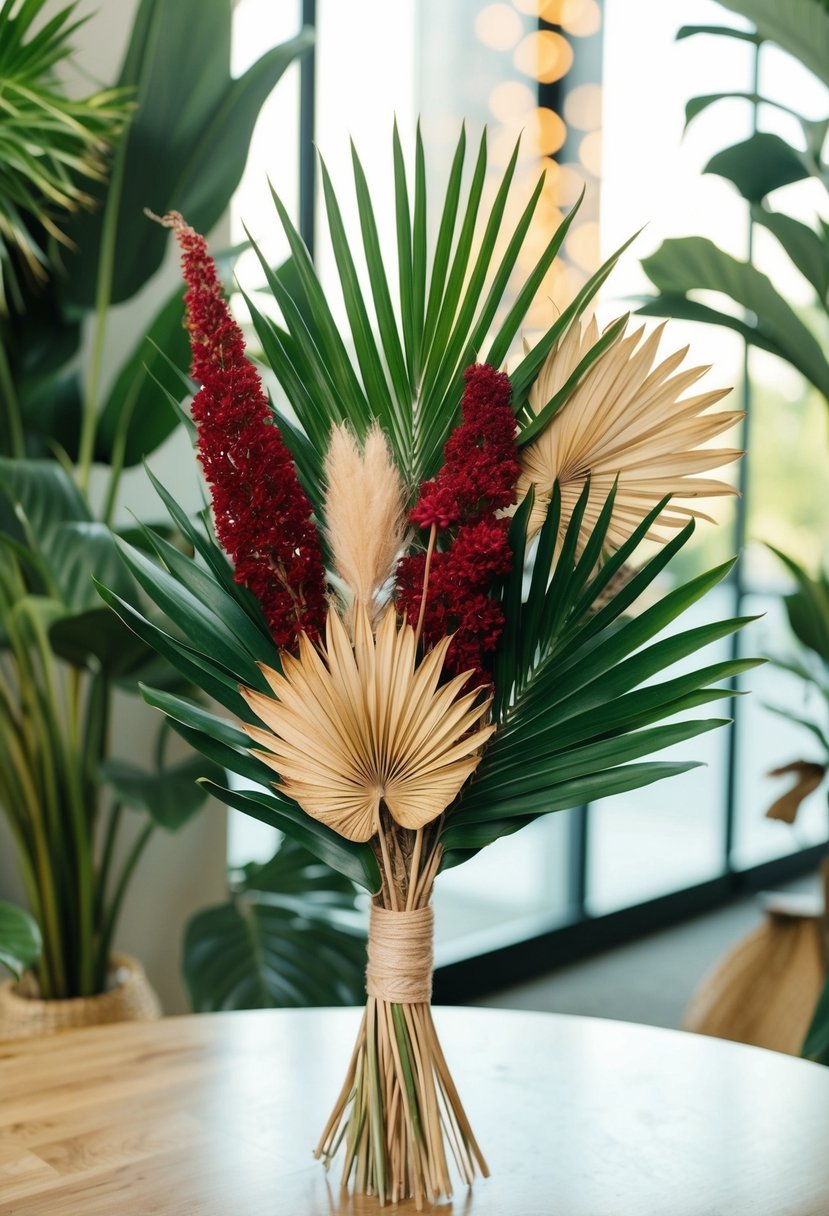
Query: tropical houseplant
x=760, y=167
x=63, y=656
x=408, y=599
x=287, y=935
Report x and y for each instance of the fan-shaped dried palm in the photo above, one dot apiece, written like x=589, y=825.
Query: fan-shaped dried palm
x=626, y=418
x=355, y=727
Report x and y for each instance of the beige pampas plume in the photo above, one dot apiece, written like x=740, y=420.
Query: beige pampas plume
x=364, y=512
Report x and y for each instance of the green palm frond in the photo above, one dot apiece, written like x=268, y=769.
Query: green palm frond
x=581, y=700
x=413, y=338
x=574, y=704
x=50, y=144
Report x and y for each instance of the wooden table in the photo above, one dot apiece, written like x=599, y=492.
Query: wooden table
x=217, y=1115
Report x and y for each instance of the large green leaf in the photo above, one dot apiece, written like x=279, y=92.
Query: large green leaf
x=52, y=407
x=800, y=27
x=76, y=552
x=171, y=797
x=287, y=937
x=136, y=417
x=808, y=250
x=760, y=164
x=695, y=263
x=720, y=31
x=808, y=607
x=20, y=941
x=187, y=143
x=98, y=635
x=43, y=494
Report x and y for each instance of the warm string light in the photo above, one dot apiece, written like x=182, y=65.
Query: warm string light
x=545, y=56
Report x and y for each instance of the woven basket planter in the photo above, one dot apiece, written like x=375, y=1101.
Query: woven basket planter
x=764, y=990
x=131, y=999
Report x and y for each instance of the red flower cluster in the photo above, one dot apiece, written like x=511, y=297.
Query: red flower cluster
x=480, y=465
x=263, y=518
x=477, y=479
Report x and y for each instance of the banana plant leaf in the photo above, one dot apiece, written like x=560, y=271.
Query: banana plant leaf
x=187, y=144
x=287, y=936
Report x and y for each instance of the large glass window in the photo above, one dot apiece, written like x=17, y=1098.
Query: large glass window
x=599, y=92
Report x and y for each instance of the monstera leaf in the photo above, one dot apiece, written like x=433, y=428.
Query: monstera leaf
x=286, y=937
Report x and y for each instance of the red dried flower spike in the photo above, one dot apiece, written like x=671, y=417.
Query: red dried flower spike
x=263, y=518
x=480, y=460
x=478, y=478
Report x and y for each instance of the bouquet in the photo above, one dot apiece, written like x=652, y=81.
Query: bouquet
x=413, y=592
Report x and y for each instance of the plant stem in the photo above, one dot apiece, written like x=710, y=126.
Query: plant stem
x=113, y=823
x=429, y=551
x=17, y=441
x=103, y=297
x=33, y=753
x=114, y=908
x=78, y=818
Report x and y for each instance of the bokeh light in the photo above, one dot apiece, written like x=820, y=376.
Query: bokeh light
x=580, y=17
x=583, y=245
x=590, y=153
x=498, y=26
x=547, y=131
x=547, y=10
x=583, y=107
x=564, y=183
x=544, y=55
x=511, y=101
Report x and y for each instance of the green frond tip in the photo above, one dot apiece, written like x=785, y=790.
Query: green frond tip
x=51, y=142
x=419, y=310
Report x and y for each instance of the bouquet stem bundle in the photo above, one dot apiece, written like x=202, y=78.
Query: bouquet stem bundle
x=398, y=1110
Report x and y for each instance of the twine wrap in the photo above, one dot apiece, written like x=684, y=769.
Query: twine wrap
x=400, y=955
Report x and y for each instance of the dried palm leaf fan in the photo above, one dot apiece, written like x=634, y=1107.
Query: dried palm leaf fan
x=412, y=605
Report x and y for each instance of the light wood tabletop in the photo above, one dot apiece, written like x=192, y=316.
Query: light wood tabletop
x=217, y=1116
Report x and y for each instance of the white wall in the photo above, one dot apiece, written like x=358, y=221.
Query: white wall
x=179, y=874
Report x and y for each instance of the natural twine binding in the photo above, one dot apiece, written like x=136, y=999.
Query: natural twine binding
x=400, y=955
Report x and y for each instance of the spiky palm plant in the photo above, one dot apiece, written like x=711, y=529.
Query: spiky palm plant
x=51, y=145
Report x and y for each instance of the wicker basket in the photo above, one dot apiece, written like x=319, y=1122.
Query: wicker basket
x=130, y=999
x=764, y=990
